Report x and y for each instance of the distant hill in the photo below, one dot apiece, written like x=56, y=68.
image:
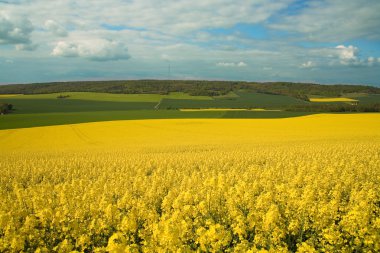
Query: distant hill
x=195, y=88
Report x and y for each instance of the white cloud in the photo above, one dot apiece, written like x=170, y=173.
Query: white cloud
x=94, y=49
x=349, y=56
x=166, y=57
x=183, y=32
x=372, y=61
x=226, y=64
x=203, y=36
x=169, y=16
x=55, y=28
x=26, y=47
x=334, y=20
x=231, y=64
x=307, y=65
x=66, y=49
x=341, y=55
x=15, y=30
x=182, y=16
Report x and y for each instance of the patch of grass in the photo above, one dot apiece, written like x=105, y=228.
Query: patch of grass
x=229, y=95
x=244, y=100
x=181, y=95
x=370, y=99
x=354, y=95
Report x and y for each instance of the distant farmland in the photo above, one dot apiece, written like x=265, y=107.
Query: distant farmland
x=64, y=103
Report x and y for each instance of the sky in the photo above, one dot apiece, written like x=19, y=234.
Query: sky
x=319, y=41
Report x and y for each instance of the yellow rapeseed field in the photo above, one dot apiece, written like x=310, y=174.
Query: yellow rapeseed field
x=307, y=184
x=228, y=109
x=340, y=99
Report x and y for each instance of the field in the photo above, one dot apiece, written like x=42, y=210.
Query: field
x=326, y=100
x=89, y=102
x=80, y=107
x=212, y=126
x=243, y=100
x=373, y=98
x=95, y=96
x=362, y=98
x=305, y=184
x=229, y=110
x=174, y=172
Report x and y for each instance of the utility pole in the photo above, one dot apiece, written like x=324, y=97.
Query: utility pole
x=169, y=71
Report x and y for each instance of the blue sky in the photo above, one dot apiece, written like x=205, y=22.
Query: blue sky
x=322, y=41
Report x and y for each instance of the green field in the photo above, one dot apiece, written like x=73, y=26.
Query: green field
x=369, y=99
x=80, y=107
x=13, y=121
x=26, y=106
x=242, y=100
x=94, y=96
x=89, y=102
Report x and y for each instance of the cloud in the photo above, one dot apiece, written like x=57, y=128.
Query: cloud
x=169, y=16
x=226, y=64
x=26, y=47
x=231, y=64
x=341, y=55
x=349, y=56
x=204, y=39
x=94, y=50
x=55, y=28
x=373, y=61
x=181, y=17
x=11, y=2
x=15, y=30
x=334, y=20
x=308, y=65
x=166, y=57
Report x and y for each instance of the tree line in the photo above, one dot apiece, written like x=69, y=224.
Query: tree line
x=192, y=87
